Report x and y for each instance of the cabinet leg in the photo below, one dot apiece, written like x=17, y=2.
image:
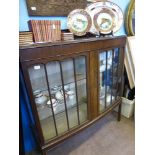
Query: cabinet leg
x=119, y=112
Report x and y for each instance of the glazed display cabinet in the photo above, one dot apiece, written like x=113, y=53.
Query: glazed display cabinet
x=72, y=84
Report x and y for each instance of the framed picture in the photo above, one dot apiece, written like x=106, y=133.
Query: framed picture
x=130, y=60
x=53, y=7
x=130, y=19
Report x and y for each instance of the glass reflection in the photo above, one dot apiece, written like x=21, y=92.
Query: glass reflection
x=56, y=92
x=70, y=91
x=39, y=87
x=80, y=67
x=108, y=67
x=60, y=88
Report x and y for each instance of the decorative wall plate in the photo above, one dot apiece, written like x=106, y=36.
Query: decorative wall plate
x=104, y=20
x=94, y=8
x=79, y=22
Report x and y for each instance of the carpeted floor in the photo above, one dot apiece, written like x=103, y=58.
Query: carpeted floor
x=106, y=137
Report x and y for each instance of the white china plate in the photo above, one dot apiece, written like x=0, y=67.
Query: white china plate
x=104, y=20
x=79, y=22
x=54, y=102
x=94, y=8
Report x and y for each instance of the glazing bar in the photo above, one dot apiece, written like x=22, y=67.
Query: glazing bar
x=50, y=100
x=62, y=80
x=77, y=102
x=106, y=80
x=122, y=71
x=112, y=75
x=118, y=62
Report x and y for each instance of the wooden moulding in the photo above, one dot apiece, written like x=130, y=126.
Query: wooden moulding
x=50, y=50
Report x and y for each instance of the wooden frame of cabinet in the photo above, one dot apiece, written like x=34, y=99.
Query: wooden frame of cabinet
x=90, y=48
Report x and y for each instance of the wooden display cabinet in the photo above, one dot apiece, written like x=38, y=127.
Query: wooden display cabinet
x=72, y=84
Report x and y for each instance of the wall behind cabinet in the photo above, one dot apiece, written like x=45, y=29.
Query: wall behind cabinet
x=24, y=17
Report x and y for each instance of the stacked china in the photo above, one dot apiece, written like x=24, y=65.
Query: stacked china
x=40, y=99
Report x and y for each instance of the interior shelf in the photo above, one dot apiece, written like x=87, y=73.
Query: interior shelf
x=46, y=111
x=55, y=81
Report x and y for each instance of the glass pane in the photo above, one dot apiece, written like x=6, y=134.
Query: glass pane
x=61, y=122
x=68, y=71
x=55, y=83
x=82, y=98
x=70, y=91
x=80, y=67
x=41, y=97
x=103, y=72
x=109, y=84
x=106, y=80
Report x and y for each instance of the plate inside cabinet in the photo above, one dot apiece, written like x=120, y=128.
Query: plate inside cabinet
x=79, y=22
x=94, y=8
x=104, y=20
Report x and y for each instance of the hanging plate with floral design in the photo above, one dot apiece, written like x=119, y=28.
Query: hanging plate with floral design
x=79, y=22
x=94, y=8
x=104, y=21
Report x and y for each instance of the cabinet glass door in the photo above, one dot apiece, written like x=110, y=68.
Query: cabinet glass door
x=108, y=79
x=60, y=95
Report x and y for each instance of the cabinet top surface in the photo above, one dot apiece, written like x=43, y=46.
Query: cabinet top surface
x=84, y=40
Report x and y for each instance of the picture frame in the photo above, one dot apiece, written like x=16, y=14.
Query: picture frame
x=130, y=60
x=53, y=7
x=130, y=19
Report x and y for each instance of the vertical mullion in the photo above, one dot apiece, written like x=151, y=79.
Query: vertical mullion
x=64, y=94
x=122, y=69
x=106, y=80
x=76, y=91
x=86, y=76
x=50, y=99
x=112, y=74
x=117, y=74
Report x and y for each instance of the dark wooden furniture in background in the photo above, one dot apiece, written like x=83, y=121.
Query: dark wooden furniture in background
x=53, y=7
x=92, y=68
